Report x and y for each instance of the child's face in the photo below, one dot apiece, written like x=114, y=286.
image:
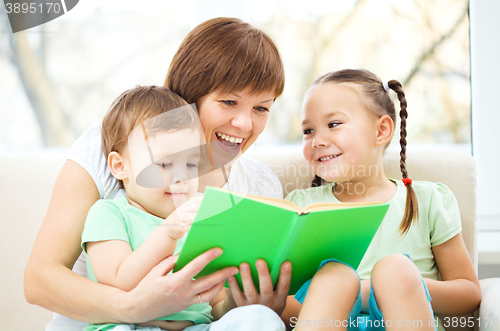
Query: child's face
x=339, y=140
x=159, y=187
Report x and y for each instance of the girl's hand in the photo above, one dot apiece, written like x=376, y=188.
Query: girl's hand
x=276, y=300
x=179, y=222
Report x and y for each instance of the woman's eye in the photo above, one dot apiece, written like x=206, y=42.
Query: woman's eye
x=228, y=102
x=262, y=109
x=333, y=124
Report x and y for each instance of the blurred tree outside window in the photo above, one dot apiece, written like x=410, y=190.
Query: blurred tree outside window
x=59, y=78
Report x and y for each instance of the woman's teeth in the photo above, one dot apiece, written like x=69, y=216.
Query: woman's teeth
x=229, y=138
x=326, y=158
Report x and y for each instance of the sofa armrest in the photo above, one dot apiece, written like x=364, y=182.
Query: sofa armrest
x=489, y=311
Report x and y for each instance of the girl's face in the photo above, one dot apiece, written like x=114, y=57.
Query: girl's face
x=232, y=121
x=340, y=134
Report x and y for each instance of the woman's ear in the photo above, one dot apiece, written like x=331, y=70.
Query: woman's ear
x=116, y=165
x=385, y=130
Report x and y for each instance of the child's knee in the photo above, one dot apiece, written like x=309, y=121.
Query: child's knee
x=337, y=273
x=396, y=271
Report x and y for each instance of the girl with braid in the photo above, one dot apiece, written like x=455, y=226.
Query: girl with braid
x=348, y=121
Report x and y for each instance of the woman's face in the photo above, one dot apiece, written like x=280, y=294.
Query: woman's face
x=232, y=121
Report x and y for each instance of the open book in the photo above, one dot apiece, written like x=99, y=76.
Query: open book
x=249, y=228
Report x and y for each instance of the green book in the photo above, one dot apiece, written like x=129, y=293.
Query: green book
x=249, y=228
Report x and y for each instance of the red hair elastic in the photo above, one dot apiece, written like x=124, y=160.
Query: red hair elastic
x=407, y=181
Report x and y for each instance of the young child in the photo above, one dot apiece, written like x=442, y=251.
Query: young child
x=152, y=139
x=348, y=121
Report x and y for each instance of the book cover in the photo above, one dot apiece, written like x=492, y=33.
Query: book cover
x=249, y=228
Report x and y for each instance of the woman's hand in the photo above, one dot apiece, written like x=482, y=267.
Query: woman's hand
x=276, y=300
x=159, y=294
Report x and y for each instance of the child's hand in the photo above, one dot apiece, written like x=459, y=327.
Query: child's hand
x=179, y=222
x=229, y=303
x=274, y=299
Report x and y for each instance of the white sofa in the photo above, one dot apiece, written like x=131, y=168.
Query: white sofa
x=26, y=183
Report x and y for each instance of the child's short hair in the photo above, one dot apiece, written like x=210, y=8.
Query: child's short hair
x=142, y=103
x=378, y=100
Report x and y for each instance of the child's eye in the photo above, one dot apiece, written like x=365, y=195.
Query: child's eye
x=333, y=124
x=165, y=165
x=228, y=102
x=192, y=165
x=307, y=131
x=262, y=109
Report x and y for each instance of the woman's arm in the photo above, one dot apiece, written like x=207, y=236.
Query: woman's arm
x=50, y=283
x=48, y=279
x=458, y=293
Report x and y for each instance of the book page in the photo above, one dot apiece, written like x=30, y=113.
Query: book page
x=335, y=205
x=288, y=205
x=285, y=204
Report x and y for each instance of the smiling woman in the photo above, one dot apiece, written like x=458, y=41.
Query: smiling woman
x=233, y=86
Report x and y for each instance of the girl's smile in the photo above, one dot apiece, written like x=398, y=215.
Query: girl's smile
x=339, y=132
x=323, y=159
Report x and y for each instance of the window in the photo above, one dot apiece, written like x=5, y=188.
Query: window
x=485, y=52
x=62, y=76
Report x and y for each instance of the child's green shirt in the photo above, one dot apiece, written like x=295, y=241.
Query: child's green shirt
x=439, y=221
x=118, y=220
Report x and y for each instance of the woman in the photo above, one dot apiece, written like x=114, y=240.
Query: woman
x=233, y=72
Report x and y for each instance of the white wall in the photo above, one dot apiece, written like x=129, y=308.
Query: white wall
x=485, y=76
x=204, y=10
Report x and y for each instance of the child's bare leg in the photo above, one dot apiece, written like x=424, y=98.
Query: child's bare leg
x=330, y=298
x=400, y=294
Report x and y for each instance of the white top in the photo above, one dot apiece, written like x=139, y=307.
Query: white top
x=247, y=176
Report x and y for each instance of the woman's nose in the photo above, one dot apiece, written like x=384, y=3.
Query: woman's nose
x=243, y=121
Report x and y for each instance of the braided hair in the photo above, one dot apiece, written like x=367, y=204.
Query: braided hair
x=381, y=104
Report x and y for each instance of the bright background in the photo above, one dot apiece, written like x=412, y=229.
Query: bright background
x=59, y=78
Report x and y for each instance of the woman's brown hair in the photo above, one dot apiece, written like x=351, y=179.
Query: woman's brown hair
x=227, y=55
x=380, y=102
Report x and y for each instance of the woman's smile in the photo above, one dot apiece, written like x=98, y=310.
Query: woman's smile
x=233, y=121
x=229, y=143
